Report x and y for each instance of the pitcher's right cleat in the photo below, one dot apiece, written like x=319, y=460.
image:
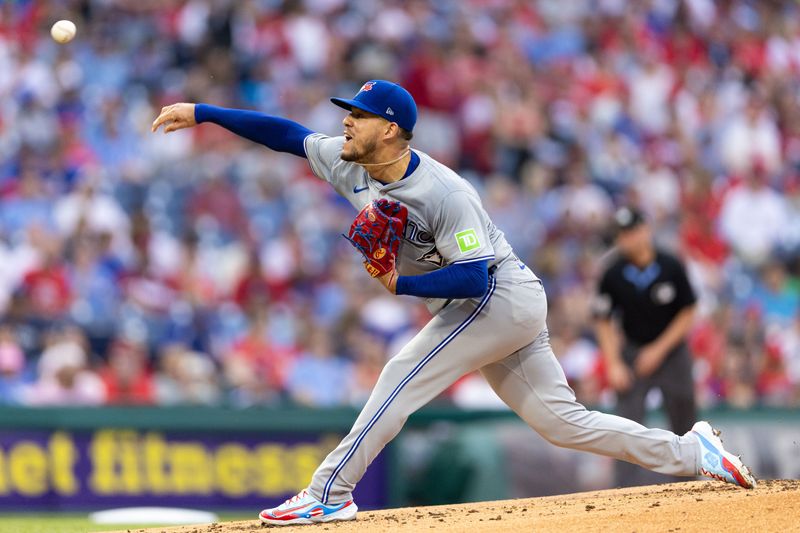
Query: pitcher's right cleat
x=306, y=509
x=716, y=462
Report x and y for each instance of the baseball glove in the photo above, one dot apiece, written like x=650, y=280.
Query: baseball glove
x=376, y=232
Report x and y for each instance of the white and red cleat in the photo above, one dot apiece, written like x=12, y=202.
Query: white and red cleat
x=716, y=462
x=305, y=509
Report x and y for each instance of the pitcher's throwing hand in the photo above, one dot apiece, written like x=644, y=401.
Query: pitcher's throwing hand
x=175, y=117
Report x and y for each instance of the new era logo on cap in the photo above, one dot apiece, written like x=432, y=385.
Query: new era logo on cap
x=389, y=111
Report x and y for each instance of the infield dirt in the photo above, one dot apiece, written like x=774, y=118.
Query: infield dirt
x=774, y=506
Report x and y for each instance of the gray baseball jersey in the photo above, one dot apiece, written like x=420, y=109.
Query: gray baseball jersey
x=446, y=221
x=503, y=334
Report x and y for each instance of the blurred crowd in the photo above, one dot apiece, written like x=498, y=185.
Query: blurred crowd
x=137, y=268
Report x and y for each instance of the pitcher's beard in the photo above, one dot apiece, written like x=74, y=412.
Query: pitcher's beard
x=358, y=156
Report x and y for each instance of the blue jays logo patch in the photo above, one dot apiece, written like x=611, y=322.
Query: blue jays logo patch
x=367, y=86
x=432, y=256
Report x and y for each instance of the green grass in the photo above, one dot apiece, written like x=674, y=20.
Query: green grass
x=75, y=523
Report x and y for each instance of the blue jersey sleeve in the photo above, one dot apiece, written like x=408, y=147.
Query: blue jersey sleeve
x=276, y=133
x=460, y=280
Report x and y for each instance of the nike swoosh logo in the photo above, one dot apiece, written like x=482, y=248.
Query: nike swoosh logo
x=356, y=190
x=279, y=514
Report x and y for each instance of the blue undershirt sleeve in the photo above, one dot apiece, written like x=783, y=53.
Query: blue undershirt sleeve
x=460, y=280
x=276, y=133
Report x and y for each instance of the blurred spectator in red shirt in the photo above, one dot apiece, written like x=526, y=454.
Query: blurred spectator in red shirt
x=252, y=289
x=255, y=368
x=46, y=287
x=215, y=202
x=127, y=379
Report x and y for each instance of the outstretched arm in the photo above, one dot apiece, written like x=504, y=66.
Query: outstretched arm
x=276, y=133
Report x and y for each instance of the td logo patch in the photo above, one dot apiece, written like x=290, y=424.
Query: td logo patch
x=467, y=240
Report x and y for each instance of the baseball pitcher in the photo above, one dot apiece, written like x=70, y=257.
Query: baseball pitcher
x=422, y=231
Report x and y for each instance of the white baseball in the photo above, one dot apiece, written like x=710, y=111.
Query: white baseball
x=63, y=31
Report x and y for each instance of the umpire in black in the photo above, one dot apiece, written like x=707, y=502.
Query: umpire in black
x=648, y=292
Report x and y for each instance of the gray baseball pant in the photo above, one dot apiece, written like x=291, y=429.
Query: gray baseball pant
x=504, y=335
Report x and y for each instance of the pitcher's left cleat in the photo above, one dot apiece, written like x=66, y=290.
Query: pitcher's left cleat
x=716, y=462
x=305, y=509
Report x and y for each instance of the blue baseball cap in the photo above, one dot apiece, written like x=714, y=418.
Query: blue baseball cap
x=385, y=99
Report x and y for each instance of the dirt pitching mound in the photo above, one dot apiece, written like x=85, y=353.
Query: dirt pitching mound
x=677, y=507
